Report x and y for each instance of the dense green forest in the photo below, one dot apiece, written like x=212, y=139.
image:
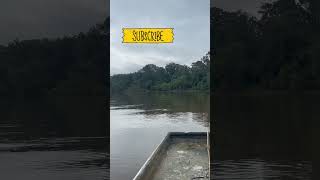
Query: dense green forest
x=71, y=65
x=171, y=77
x=280, y=50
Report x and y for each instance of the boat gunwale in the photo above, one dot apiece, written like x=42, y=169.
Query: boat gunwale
x=142, y=173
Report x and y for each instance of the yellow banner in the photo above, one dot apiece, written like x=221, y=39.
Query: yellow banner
x=147, y=35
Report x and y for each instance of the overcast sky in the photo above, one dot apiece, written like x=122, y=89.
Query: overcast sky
x=189, y=18
x=250, y=6
x=29, y=19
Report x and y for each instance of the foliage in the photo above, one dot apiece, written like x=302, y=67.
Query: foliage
x=171, y=77
x=68, y=65
x=278, y=51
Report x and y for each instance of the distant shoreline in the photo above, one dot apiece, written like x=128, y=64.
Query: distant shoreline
x=158, y=91
x=267, y=92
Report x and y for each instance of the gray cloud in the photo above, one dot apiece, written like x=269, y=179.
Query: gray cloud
x=189, y=18
x=29, y=19
x=250, y=6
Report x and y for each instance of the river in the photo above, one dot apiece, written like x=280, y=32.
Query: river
x=263, y=135
x=60, y=138
x=140, y=121
x=255, y=136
